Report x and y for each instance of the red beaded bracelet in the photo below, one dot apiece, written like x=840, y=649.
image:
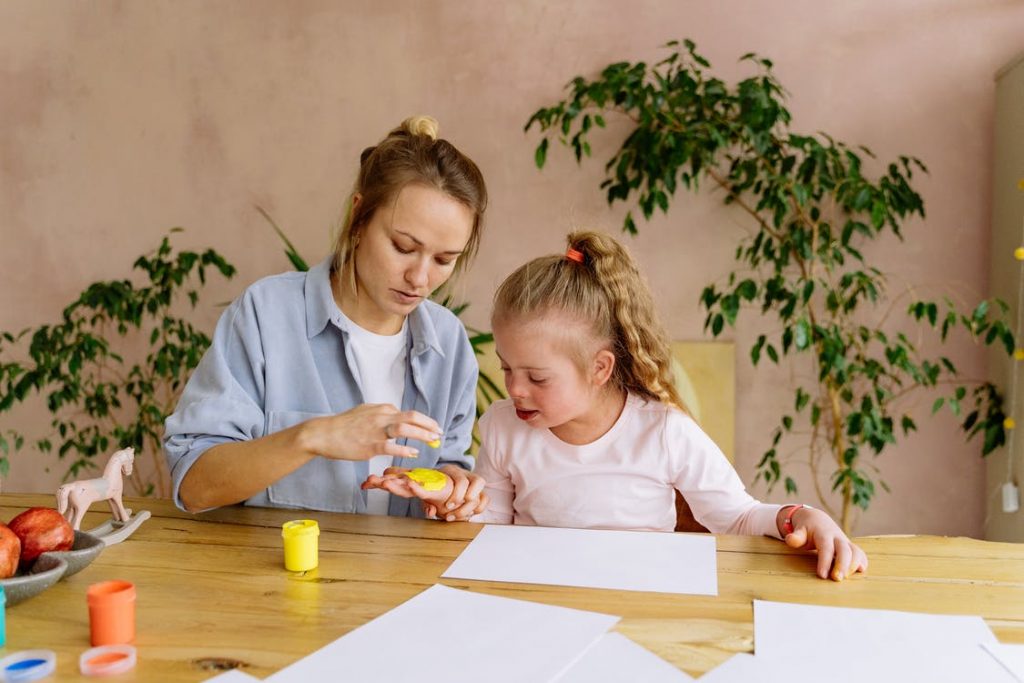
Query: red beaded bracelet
x=787, y=521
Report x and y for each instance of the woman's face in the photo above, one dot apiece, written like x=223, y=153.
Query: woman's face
x=406, y=251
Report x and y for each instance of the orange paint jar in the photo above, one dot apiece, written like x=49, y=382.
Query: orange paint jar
x=111, y=612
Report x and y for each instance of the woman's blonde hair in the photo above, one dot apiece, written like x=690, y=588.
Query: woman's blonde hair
x=410, y=154
x=602, y=288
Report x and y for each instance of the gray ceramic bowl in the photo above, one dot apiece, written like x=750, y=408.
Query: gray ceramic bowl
x=49, y=568
x=84, y=551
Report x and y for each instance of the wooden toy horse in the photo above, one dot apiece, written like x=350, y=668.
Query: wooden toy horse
x=74, y=499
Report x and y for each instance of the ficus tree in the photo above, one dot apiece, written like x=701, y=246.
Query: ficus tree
x=102, y=394
x=812, y=203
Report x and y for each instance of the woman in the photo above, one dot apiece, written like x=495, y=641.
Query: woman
x=294, y=403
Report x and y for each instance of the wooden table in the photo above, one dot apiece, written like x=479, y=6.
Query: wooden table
x=213, y=592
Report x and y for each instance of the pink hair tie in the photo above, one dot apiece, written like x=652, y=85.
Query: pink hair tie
x=574, y=255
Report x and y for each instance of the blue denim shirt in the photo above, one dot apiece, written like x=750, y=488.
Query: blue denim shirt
x=280, y=356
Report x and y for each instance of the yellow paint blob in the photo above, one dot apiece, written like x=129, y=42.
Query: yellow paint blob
x=1018, y=253
x=1008, y=423
x=431, y=480
x=436, y=443
x=1018, y=354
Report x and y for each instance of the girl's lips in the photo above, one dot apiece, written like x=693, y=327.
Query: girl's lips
x=525, y=414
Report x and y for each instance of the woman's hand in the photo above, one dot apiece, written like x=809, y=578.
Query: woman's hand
x=394, y=480
x=462, y=496
x=367, y=430
x=815, y=530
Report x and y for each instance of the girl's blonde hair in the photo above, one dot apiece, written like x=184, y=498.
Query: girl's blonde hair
x=410, y=154
x=602, y=288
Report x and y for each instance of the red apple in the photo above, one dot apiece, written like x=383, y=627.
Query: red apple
x=41, y=530
x=10, y=551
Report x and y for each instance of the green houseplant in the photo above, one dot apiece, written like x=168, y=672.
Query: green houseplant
x=101, y=396
x=812, y=203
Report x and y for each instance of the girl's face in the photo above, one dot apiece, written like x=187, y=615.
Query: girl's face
x=547, y=385
x=405, y=252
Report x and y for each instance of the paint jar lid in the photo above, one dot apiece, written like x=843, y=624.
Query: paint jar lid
x=28, y=665
x=107, y=660
x=300, y=527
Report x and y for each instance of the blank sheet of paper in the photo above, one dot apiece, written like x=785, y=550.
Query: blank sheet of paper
x=590, y=558
x=958, y=665
x=233, y=676
x=874, y=644
x=1010, y=656
x=454, y=635
x=615, y=658
x=778, y=624
x=744, y=668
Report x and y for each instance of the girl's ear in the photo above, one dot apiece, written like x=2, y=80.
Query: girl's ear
x=603, y=366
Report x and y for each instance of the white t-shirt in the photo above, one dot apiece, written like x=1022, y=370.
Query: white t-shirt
x=380, y=372
x=623, y=480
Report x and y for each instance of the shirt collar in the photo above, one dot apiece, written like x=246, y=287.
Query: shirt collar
x=320, y=306
x=321, y=309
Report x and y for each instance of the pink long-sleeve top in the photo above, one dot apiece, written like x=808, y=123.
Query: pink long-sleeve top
x=623, y=480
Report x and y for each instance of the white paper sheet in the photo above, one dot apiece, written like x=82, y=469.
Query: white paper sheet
x=617, y=659
x=233, y=676
x=872, y=644
x=1010, y=656
x=961, y=664
x=778, y=624
x=745, y=668
x=453, y=635
x=623, y=560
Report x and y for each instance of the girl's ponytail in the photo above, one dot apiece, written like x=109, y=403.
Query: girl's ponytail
x=642, y=353
x=597, y=282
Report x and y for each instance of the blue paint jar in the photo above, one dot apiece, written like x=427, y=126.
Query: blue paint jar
x=3, y=617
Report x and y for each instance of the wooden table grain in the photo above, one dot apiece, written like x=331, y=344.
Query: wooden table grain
x=213, y=592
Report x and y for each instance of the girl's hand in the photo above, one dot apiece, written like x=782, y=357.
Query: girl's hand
x=815, y=530
x=367, y=430
x=467, y=497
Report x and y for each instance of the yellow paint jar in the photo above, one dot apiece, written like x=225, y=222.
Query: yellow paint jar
x=301, y=545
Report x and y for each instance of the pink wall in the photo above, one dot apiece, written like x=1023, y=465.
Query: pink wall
x=121, y=120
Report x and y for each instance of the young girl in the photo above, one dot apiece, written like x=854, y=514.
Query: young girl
x=593, y=434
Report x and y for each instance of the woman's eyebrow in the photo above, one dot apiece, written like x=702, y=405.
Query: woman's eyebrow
x=452, y=252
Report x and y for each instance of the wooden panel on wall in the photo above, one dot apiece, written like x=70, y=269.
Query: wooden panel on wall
x=1007, y=234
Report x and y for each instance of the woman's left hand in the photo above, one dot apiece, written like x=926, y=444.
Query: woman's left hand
x=815, y=530
x=394, y=480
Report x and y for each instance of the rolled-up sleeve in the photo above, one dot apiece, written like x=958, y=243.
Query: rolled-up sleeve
x=223, y=399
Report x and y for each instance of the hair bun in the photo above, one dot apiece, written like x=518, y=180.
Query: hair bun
x=421, y=125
